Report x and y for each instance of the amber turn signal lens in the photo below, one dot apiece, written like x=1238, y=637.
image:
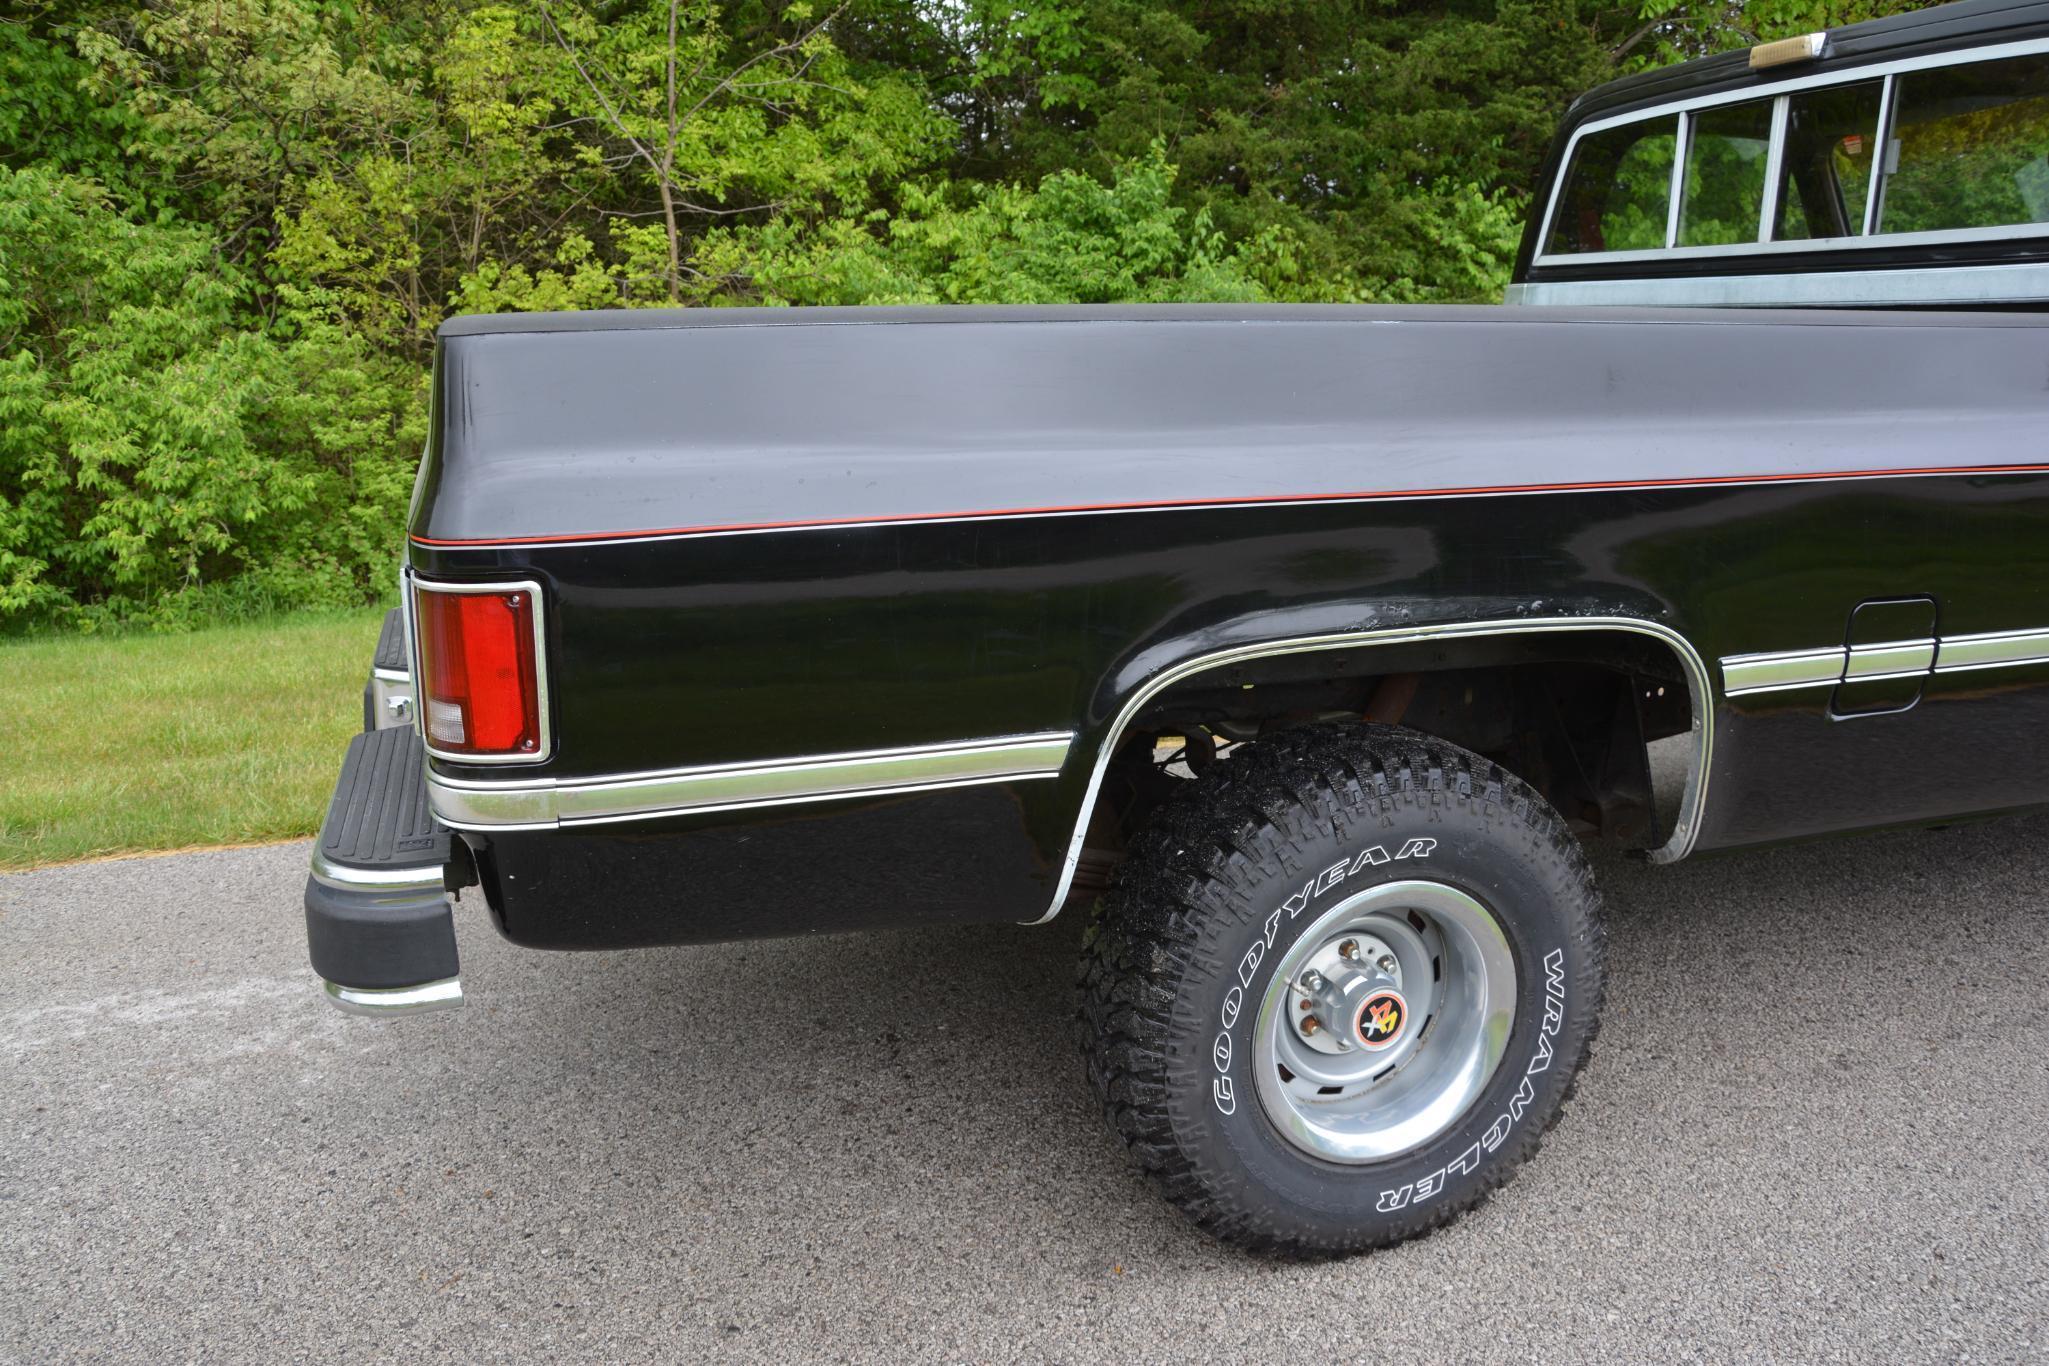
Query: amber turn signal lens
x=480, y=687
x=1808, y=47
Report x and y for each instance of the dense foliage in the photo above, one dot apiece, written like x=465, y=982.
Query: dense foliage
x=228, y=228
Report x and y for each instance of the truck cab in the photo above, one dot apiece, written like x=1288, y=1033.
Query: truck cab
x=1900, y=163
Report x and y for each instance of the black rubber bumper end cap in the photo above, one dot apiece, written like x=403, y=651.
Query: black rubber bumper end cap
x=380, y=940
x=377, y=913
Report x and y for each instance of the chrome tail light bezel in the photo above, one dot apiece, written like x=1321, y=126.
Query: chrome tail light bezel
x=413, y=586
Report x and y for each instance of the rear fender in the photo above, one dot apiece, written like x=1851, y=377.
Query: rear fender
x=1151, y=672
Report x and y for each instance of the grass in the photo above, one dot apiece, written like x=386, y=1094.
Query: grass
x=127, y=744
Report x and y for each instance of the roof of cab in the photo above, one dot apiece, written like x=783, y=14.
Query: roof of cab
x=1944, y=28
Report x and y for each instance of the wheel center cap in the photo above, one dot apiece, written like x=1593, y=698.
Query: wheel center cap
x=1382, y=1017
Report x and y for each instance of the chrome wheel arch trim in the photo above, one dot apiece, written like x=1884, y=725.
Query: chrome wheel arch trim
x=1699, y=685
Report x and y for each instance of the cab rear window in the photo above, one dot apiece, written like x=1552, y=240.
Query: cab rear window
x=1617, y=190
x=1831, y=146
x=1970, y=148
x=1950, y=149
x=1726, y=159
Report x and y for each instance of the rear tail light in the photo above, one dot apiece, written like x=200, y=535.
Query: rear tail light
x=480, y=682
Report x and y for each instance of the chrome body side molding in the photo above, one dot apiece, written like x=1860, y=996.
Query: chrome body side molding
x=1994, y=650
x=1787, y=670
x=1691, y=803
x=1894, y=659
x=472, y=804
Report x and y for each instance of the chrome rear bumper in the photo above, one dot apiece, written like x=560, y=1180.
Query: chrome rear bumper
x=378, y=1003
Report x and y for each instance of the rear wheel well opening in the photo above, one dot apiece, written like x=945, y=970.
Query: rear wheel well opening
x=1574, y=714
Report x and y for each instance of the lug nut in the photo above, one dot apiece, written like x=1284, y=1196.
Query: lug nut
x=1312, y=980
x=1350, y=948
x=1387, y=963
x=1310, y=1024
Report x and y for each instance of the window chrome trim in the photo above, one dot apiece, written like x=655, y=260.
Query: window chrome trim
x=1774, y=167
x=1781, y=670
x=1989, y=284
x=532, y=588
x=1675, y=192
x=549, y=803
x=1943, y=237
x=1685, y=829
x=1874, y=193
x=1845, y=76
x=1992, y=650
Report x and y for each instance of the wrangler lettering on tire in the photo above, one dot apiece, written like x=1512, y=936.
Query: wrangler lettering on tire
x=1341, y=987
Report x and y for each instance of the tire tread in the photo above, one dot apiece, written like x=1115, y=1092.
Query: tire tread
x=1196, y=859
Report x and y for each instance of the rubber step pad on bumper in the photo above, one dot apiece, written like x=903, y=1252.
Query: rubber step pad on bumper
x=378, y=925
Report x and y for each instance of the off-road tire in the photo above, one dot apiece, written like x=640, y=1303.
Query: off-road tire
x=1208, y=880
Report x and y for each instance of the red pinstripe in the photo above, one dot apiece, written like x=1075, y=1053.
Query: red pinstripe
x=1590, y=486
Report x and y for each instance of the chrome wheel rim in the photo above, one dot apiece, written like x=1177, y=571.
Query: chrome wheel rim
x=1420, y=980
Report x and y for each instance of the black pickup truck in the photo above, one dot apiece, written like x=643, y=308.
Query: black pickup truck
x=1299, y=649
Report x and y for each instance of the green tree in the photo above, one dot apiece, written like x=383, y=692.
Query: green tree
x=48, y=117
x=1361, y=128
x=717, y=126
x=152, y=451
x=229, y=228
x=1071, y=240
x=1666, y=31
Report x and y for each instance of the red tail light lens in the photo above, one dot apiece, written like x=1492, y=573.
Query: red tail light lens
x=480, y=688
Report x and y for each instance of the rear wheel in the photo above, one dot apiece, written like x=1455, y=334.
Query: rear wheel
x=1341, y=987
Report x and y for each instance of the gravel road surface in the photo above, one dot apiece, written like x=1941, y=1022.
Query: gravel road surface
x=1816, y=1127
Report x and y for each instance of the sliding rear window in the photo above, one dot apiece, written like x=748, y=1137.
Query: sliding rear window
x=1825, y=175
x=1970, y=148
